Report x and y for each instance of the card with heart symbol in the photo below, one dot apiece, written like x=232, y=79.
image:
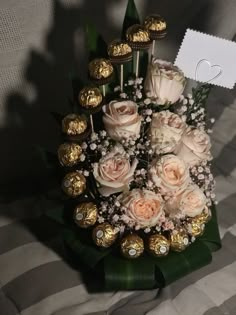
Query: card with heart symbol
x=208, y=59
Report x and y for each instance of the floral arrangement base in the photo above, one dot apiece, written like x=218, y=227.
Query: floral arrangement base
x=106, y=270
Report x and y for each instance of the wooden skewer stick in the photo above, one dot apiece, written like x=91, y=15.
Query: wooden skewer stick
x=121, y=77
x=91, y=122
x=137, y=64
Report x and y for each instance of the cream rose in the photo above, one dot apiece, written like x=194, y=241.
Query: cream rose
x=166, y=131
x=164, y=82
x=144, y=208
x=114, y=172
x=191, y=202
x=121, y=120
x=194, y=146
x=170, y=174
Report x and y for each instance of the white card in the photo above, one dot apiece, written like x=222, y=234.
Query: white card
x=208, y=59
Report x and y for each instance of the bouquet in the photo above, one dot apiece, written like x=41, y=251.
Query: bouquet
x=138, y=203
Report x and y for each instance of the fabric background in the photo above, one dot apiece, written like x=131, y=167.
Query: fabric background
x=41, y=42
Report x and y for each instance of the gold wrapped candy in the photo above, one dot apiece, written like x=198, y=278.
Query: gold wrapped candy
x=119, y=51
x=90, y=97
x=100, y=69
x=74, y=184
x=195, y=227
x=104, y=235
x=158, y=245
x=156, y=25
x=205, y=216
x=132, y=246
x=179, y=240
x=138, y=37
x=85, y=214
x=74, y=124
x=69, y=154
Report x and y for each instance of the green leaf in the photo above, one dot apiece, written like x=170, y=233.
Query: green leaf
x=121, y=273
x=56, y=214
x=177, y=265
x=89, y=254
x=131, y=17
x=97, y=47
x=211, y=236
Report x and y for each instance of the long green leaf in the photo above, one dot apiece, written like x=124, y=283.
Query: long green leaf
x=97, y=47
x=121, y=273
x=88, y=254
x=131, y=17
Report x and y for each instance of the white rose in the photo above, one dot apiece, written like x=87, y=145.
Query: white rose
x=194, y=146
x=114, y=172
x=166, y=131
x=144, y=208
x=191, y=202
x=164, y=82
x=170, y=174
x=121, y=120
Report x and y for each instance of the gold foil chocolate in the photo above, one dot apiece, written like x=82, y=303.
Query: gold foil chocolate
x=74, y=184
x=119, y=51
x=136, y=33
x=90, y=97
x=69, y=154
x=195, y=227
x=74, y=124
x=132, y=246
x=104, y=235
x=85, y=214
x=158, y=245
x=205, y=216
x=100, y=68
x=155, y=22
x=179, y=240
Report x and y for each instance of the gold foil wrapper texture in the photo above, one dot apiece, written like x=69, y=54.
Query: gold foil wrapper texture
x=158, y=245
x=136, y=33
x=119, y=48
x=179, y=240
x=132, y=246
x=85, y=214
x=69, y=154
x=74, y=124
x=205, y=216
x=100, y=68
x=195, y=227
x=155, y=23
x=90, y=97
x=104, y=235
x=74, y=184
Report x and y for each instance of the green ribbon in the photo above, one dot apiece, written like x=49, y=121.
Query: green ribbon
x=145, y=272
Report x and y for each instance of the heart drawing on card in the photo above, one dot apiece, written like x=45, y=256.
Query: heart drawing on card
x=206, y=72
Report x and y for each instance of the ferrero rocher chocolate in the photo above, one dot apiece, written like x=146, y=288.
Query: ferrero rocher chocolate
x=90, y=97
x=85, y=214
x=205, y=216
x=104, y=235
x=179, y=240
x=156, y=25
x=74, y=184
x=119, y=51
x=138, y=37
x=101, y=70
x=195, y=227
x=132, y=246
x=69, y=154
x=158, y=245
x=74, y=124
